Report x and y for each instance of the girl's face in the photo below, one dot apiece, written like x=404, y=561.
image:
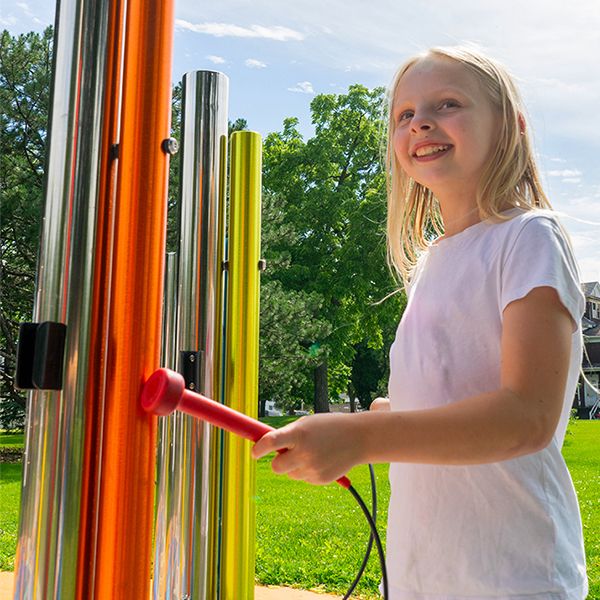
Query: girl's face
x=445, y=127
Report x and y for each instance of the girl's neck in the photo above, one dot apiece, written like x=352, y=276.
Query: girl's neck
x=458, y=218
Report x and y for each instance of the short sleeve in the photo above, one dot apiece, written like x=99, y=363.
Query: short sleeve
x=416, y=273
x=541, y=256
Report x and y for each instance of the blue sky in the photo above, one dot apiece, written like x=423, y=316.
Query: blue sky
x=278, y=55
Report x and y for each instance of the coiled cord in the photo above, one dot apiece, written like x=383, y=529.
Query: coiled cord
x=374, y=537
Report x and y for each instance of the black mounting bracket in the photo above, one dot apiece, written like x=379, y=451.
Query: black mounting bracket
x=40, y=356
x=190, y=366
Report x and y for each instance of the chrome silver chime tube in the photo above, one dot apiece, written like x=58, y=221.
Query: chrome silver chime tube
x=47, y=552
x=185, y=543
x=166, y=557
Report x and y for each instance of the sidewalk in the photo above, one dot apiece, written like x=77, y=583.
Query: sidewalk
x=260, y=593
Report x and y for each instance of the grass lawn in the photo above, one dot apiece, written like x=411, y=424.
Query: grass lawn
x=10, y=493
x=314, y=537
x=582, y=454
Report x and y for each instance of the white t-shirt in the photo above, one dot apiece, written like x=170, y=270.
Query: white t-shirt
x=504, y=530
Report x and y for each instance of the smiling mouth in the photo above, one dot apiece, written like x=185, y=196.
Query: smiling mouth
x=433, y=150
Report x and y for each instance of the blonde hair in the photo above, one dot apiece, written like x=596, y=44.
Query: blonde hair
x=509, y=179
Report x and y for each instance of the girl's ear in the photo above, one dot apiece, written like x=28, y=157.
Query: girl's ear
x=522, y=126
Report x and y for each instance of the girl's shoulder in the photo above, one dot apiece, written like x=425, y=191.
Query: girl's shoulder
x=527, y=226
x=518, y=217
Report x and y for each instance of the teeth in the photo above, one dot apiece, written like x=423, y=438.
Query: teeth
x=427, y=150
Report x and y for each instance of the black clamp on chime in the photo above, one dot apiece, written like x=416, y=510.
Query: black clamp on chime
x=40, y=356
x=190, y=362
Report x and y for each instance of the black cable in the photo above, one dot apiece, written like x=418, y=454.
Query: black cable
x=376, y=537
x=363, y=566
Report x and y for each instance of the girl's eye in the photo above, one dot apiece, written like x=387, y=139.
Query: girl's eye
x=407, y=114
x=449, y=104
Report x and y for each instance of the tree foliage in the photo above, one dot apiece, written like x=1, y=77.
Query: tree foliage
x=25, y=74
x=332, y=189
x=174, y=173
x=289, y=318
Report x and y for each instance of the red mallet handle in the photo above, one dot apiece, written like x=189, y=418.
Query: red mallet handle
x=165, y=392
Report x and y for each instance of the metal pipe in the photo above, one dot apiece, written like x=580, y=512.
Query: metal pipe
x=216, y=465
x=53, y=489
x=97, y=356
x=192, y=505
x=127, y=464
x=165, y=556
x=241, y=365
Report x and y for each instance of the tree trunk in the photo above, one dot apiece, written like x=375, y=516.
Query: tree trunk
x=351, y=397
x=261, y=408
x=321, y=395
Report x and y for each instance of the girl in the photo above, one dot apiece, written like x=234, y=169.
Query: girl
x=486, y=357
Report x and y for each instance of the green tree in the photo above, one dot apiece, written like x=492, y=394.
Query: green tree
x=25, y=74
x=289, y=322
x=174, y=173
x=368, y=370
x=334, y=190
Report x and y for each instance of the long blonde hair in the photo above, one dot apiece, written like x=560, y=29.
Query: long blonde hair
x=509, y=179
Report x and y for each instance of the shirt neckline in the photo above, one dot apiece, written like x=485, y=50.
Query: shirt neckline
x=440, y=241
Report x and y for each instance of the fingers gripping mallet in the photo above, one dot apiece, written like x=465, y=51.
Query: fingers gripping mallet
x=165, y=392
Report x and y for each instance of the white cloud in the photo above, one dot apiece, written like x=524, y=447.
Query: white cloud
x=217, y=60
x=276, y=32
x=8, y=21
x=302, y=87
x=571, y=180
x=252, y=63
x=558, y=160
x=28, y=12
x=565, y=173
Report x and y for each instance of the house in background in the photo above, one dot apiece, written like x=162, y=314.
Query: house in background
x=587, y=401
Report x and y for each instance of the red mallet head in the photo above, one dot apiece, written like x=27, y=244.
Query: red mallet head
x=162, y=392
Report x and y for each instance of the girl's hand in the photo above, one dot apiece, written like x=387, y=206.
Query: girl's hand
x=380, y=404
x=318, y=449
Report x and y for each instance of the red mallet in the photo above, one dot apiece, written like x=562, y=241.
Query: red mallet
x=165, y=392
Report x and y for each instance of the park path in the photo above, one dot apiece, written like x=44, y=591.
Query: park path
x=260, y=593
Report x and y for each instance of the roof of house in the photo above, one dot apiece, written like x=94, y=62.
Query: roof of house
x=591, y=288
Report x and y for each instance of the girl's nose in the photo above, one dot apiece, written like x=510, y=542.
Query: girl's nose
x=421, y=124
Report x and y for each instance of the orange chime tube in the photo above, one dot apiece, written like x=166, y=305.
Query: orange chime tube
x=100, y=295
x=129, y=435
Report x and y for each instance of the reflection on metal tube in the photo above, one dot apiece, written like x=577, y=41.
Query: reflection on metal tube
x=165, y=558
x=241, y=365
x=47, y=553
x=190, y=510
x=169, y=341
x=216, y=463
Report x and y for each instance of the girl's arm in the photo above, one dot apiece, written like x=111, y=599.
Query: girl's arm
x=380, y=404
x=518, y=418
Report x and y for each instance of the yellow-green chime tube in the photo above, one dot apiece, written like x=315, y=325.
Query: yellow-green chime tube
x=216, y=462
x=241, y=366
